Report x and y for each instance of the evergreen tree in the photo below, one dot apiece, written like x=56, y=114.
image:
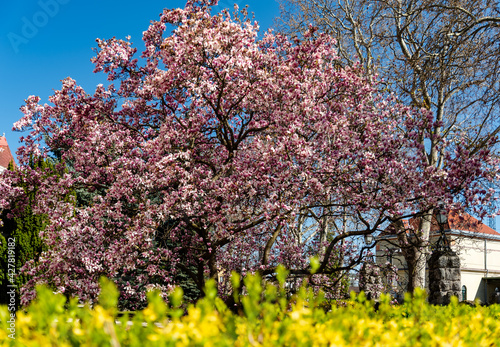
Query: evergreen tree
x=23, y=227
x=186, y=269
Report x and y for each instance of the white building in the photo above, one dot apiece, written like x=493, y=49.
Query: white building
x=477, y=245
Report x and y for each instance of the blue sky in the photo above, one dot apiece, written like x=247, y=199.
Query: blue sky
x=45, y=41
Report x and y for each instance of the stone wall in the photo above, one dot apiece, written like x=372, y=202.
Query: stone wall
x=444, y=277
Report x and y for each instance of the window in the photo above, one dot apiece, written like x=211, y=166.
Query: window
x=464, y=293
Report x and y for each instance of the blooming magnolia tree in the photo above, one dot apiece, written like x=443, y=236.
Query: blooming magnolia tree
x=213, y=151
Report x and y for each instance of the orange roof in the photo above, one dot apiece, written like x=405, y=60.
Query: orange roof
x=5, y=154
x=459, y=222
x=465, y=222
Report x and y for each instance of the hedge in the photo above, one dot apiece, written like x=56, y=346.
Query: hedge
x=263, y=316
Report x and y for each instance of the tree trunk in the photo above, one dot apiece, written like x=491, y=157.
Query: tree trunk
x=414, y=248
x=422, y=249
x=409, y=253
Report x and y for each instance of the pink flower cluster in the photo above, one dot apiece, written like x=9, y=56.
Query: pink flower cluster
x=206, y=155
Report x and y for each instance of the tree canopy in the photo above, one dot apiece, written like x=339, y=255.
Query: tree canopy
x=438, y=55
x=201, y=156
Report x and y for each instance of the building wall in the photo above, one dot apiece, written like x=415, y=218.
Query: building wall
x=479, y=258
x=473, y=256
x=474, y=265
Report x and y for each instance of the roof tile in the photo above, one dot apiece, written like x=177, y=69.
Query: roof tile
x=5, y=153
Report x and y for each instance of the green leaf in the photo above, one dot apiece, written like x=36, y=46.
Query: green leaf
x=108, y=298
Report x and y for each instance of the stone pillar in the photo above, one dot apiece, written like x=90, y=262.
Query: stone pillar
x=370, y=281
x=444, y=277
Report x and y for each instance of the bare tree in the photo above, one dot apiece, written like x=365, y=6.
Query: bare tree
x=438, y=55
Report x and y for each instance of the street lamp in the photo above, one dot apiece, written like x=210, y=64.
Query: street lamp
x=442, y=216
x=368, y=239
x=443, y=244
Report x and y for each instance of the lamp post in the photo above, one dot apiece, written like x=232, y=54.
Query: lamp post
x=368, y=241
x=444, y=266
x=370, y=281
x=443, y=244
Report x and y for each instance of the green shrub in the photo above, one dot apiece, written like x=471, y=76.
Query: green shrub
x=267, y=319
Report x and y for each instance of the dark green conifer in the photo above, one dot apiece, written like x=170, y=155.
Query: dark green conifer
x=24, y=227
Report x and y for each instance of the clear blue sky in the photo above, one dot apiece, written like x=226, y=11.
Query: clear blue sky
x=45, y=41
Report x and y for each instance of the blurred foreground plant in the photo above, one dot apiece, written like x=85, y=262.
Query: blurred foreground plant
x=267, y=318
